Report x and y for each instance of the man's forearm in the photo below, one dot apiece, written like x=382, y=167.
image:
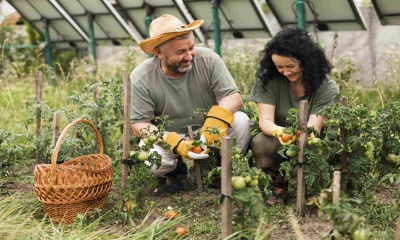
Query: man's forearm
x=137, y=128
x=232, y=103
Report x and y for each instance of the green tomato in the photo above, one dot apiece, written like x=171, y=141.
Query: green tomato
x=291, y=153
x=143, y=156
x=368, y=154
x=253, y=183
x=391, y=158
x=370, y=146
x=247, y=178
x=236, y=150
x=153, y=138
x=316, y=141
x=238, y=182
x=236, y=156
x=147, y=141
x=310, y=142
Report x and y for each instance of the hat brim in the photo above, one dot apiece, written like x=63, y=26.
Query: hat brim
x=148, y=45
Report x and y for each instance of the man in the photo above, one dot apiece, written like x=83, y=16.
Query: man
x=177, y=81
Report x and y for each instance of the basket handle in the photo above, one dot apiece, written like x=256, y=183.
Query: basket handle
x=61, y=139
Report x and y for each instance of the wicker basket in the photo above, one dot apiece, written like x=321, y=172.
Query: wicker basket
x=76, y=186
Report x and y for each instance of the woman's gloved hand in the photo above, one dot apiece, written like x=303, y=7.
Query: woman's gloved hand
x=276, y=131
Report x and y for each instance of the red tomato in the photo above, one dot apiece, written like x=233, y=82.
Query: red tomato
x=171, y=214
x=180, y=231
x=197, y=150
x=286, y=137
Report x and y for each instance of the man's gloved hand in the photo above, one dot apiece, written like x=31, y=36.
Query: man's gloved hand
x=178, y=144
x=276, y=131
x=217, y=117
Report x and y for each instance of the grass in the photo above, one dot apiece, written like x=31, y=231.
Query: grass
x=22, y=218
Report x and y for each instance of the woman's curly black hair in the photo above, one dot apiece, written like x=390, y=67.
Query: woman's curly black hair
x=294, y=42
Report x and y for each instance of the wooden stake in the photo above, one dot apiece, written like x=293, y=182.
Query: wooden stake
x=301, y=184
x=126, y=145
x=197, y=172
x=226, y=187
x=96, y=113
x=397, y=234
x=336, y=187
x=56, y=128
x=39, y=85
x=343, y=156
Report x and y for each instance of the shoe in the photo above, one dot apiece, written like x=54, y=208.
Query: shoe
x=278, y=197
x=175, y=184
x=176, y=179
x=216, y=183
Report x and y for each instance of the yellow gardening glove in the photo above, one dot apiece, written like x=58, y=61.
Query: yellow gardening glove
x=178, y=144
x=311, y=136
x=276, y=131
x=217, y=117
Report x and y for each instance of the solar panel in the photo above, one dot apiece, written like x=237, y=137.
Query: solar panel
x=109, y=27
x=388, y=11
x=324, y=15
x=61, y=30
x=238, y=18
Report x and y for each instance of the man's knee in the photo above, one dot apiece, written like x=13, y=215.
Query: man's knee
x=241, y=129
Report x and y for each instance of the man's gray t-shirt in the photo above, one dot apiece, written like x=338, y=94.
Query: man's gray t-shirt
x=278, y=93
x=154, y=94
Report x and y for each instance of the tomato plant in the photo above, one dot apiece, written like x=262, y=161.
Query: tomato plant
x=142, y=158
x=353, y=226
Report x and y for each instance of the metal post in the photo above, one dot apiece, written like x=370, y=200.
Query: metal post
x=217, y=36
x=149, y=10
x=49, y=57
x=301, y=14
x=91, y=35
x=148, y=21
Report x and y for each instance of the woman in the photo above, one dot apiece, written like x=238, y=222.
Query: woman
x=294, y=68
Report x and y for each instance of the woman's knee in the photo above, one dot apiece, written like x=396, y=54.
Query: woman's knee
x=264, y=149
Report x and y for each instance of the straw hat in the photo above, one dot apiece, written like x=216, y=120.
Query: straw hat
x=164, y=28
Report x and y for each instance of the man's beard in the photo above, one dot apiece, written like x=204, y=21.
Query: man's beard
x=179, y=69
x=184, y=69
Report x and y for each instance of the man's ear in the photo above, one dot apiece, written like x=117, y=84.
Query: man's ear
x=158, y=52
